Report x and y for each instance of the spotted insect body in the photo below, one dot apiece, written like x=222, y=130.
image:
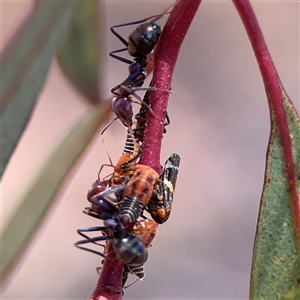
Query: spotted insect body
x=137, y=193
x=160, y=204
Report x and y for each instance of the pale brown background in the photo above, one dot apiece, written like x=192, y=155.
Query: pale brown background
x=219, y=126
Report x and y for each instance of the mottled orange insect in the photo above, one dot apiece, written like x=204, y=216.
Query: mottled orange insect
x=137, y=193
x=146, y=230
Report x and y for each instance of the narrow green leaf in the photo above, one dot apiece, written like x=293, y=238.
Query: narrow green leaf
x=276, y=260
x=79, y=56
x=276, y=255
x=25, y=65
x=36, y=202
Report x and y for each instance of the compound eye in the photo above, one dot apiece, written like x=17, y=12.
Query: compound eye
x=161, y=213
x=123, y=109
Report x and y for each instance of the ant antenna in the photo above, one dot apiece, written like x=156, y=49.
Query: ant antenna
x=104, y=143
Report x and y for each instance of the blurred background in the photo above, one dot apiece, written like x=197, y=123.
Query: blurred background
x=219, y=127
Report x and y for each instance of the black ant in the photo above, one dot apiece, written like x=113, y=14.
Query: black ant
x=140, y=43
x=129, y=248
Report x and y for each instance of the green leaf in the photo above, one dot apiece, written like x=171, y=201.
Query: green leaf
x=26, y=62
x=276, y=255
x=79, y=56
x=276, y=260
x=41, y=196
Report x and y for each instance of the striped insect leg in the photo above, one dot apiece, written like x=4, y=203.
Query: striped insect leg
x=139, y=271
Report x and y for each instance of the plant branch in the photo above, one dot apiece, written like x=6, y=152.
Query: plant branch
x=165, y=58
x=275, y=93
x=109, y=285
x=110, y=282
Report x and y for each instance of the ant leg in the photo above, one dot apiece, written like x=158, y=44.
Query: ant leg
x=88, y=211
x=120, y=58
x=102, y=132
x=78, y=245
x=104, y=143
x=93, y=240
x=130, y=84
x=150, y=88
x=143, y=216
x=131, y=90
x=104, y=165
x=118, y=35
x=98, y=270
x=130, y=284
x=113, y=90
x=90, y=229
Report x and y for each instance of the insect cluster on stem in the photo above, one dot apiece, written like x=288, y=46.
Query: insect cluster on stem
x=121, y=199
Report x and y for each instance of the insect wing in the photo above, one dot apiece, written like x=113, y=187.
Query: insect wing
x=169, y=177
x=160, y=204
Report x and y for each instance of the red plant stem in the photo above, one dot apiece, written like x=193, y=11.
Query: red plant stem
x=109, y=285
x=110, y=282
x=165, y=58
x=275, y=92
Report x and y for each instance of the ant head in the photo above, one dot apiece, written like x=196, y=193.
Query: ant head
x=142, y=41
